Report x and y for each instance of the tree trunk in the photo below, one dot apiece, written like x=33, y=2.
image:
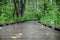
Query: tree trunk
x=22, y=6
x=19, y=7
x=16, y=10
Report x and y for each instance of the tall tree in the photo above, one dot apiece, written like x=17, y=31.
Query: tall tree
x=22, y=4
x=15, y=5
x=19, y=7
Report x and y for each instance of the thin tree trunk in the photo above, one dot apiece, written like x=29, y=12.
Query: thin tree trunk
x=33, y=3
x=22, y=6
x=19, y=7
x=16, y=10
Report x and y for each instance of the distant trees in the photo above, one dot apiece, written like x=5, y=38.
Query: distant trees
x=58, y=3
x=19, y=7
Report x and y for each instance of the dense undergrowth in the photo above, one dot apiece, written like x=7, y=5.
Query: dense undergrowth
x=51, y=15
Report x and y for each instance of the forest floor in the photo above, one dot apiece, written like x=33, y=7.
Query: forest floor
x=30, y=30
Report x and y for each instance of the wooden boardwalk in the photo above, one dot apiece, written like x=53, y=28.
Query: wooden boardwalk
x=30, y=30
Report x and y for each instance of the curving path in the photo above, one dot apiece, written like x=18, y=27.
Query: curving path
x=30, y=30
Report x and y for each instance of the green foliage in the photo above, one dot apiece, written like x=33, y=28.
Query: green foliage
x=51, y=15
x=6, y=12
